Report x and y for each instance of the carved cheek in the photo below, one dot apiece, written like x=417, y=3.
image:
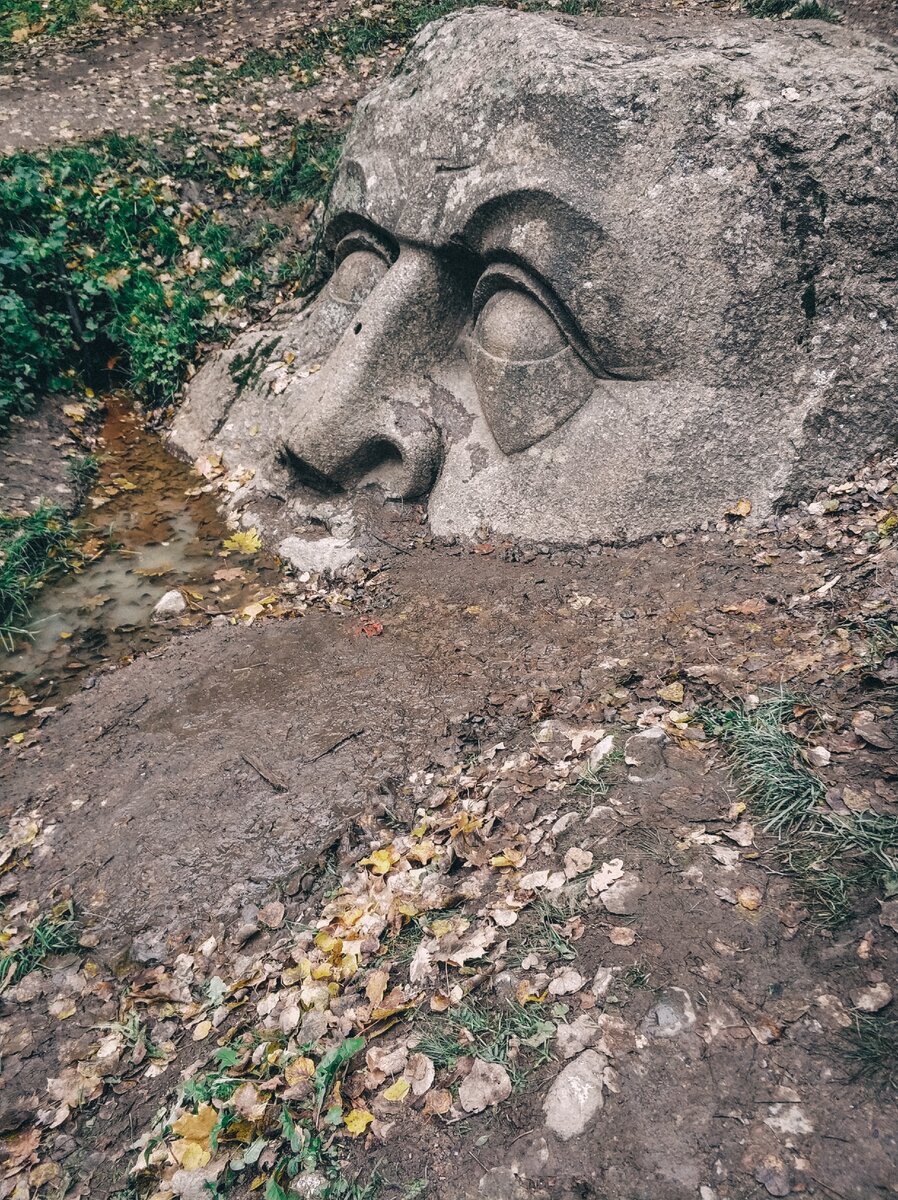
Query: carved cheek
x=529, y=380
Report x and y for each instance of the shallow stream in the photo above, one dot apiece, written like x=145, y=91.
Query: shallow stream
x=155, y=528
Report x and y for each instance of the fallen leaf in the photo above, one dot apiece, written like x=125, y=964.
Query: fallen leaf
x=486, y=1085
x=576, y=861
x=419, y=1071
x=358, y=1121
x=741, y=508
x=622, y=935
x=380, y=861
x=607, y=874
x=244, y=541
x=397, y=1091
x=196, y=1127
x=190, y=1155
x=749, y=897
x=747, y=608
x=566, y=981
x=438, y=1102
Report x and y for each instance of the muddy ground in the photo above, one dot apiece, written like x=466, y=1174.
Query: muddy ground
x=181, y=793
x=206, y=805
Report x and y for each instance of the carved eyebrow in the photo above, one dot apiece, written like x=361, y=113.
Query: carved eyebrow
x=522, y=205
x=353, y=227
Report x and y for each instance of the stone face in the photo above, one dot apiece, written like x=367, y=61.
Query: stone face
x=585, y=282
x=576, y=1095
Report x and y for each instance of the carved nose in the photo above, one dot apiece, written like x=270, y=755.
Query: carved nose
x=364, y=418
x=391, y=444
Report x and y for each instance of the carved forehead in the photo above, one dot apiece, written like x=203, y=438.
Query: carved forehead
x=492, y=103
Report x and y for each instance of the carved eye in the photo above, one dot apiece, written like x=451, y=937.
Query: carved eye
x=357, y=275
x=513, y=326
x=529, y=379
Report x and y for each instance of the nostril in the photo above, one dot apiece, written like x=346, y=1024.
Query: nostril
x=376, y=462
x=358, y=328
x=308, y=476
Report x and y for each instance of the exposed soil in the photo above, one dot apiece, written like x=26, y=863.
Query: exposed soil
x=176, y=791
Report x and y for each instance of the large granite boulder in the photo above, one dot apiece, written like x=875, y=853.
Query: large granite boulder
x=587, y=282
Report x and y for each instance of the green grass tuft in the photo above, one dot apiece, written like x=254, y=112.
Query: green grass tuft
x=833, y=857
x=32, y=549
x=784, y=792
x=518, y=1037
x=53, y=933
x=82, y=472
x=872, y=1047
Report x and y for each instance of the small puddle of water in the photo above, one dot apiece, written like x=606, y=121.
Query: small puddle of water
x=158, y=538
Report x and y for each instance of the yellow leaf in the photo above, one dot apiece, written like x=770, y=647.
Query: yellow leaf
x=297, y=1070
x=423, y=852
x=381, y=860
x=190, y=1155
x=397, y=1091
x=327, y=943
x=197, y=1126
x=358, y=1121
x=202, y=1031
x=245, y=541
x=508, y=858
x=673, y=693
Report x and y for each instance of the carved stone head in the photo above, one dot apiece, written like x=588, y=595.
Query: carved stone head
x=586, y=283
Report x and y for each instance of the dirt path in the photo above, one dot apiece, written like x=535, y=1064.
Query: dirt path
x=174, y=793
x=73, y=89
x=129, y=84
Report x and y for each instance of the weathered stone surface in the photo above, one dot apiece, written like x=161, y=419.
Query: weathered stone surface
x=672, y=1015
x=586, y=282
x=576, y=1095
x=327, y=555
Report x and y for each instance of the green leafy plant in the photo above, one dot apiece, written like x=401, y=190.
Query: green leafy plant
x=105, y=268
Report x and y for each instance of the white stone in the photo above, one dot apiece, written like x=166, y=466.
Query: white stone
x=171, y=604
x=322, y=556
x=576, y=1095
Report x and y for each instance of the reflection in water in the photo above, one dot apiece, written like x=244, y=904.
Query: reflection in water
x=162, y=532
